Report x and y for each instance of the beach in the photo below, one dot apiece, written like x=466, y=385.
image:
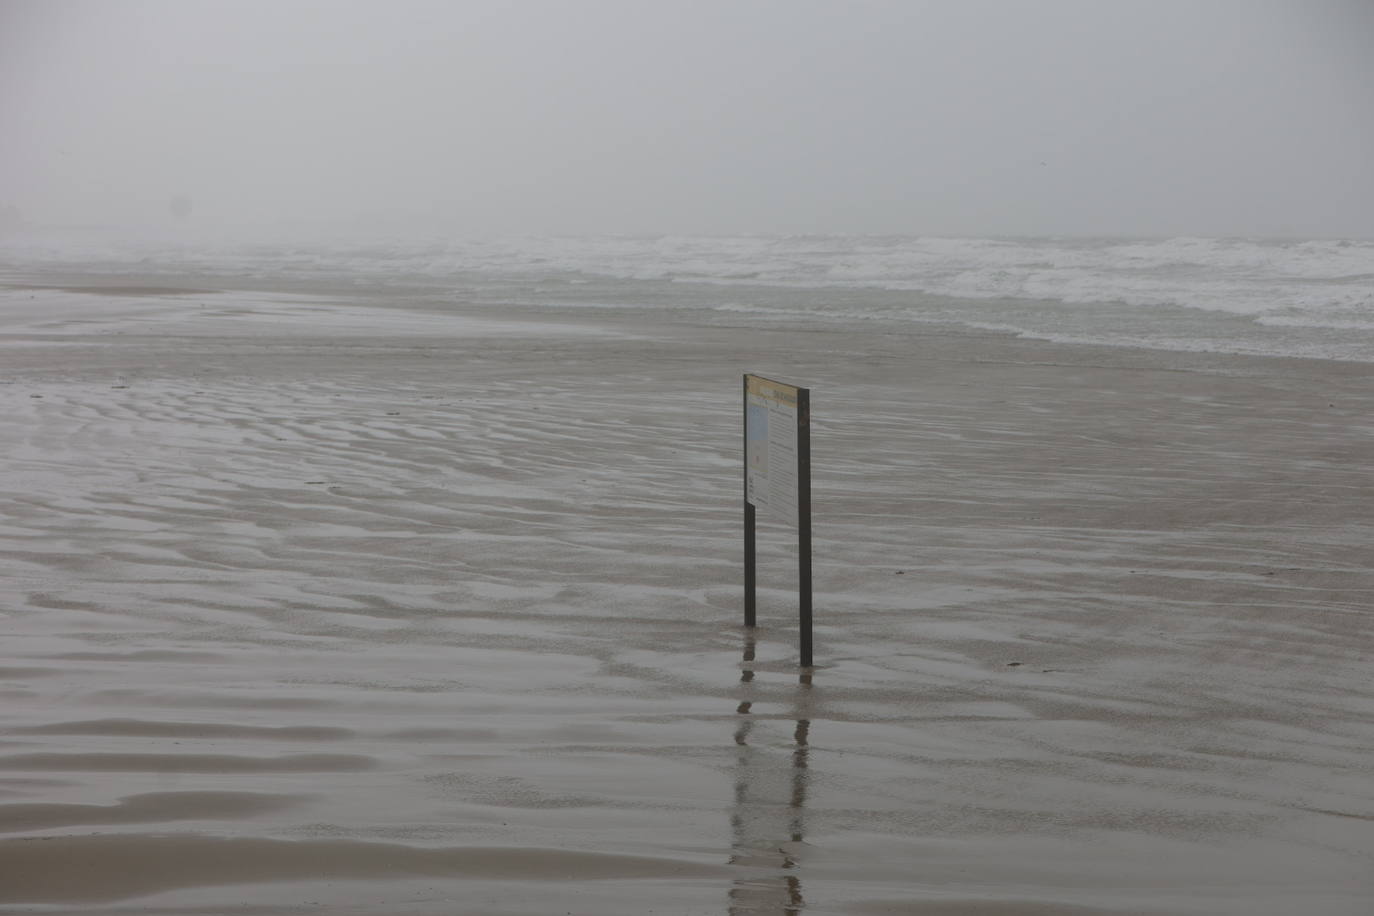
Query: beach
x=348, y=600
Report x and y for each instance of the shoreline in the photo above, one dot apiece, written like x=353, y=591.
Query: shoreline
x=703, y=305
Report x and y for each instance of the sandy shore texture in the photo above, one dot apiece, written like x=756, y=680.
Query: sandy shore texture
x=317, y=602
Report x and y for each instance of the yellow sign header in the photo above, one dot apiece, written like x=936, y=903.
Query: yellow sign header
x=773, y=391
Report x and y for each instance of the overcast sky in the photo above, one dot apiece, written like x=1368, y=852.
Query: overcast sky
x=1143, y=117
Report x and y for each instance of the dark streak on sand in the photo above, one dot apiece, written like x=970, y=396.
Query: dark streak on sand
x=115, y=290
x=188, y=763
x=140, y=728
x=147, y=808
x=117, y=867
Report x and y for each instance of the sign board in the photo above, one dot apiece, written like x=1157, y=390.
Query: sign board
x=777, y=479
x=770, y=436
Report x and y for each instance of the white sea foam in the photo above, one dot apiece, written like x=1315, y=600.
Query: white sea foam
x=1280, y=288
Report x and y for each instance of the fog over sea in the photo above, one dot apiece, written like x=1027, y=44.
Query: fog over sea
x=1305, y=298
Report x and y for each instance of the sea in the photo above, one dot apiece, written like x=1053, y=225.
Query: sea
x=1311, y=298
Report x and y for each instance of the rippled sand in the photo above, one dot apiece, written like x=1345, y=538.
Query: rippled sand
x=319, y=604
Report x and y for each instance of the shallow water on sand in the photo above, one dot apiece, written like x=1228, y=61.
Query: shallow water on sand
x=391, y=611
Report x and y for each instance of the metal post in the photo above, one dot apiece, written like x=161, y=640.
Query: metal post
x=804, y=519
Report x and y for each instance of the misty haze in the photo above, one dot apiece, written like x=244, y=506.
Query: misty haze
x=382, y=444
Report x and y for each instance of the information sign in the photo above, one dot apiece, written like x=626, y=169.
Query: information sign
x=770, y=435
x=777, y=479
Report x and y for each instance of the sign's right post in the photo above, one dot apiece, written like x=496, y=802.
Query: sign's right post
x=804, y=519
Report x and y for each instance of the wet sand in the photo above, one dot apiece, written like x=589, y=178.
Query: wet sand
x=316, y=603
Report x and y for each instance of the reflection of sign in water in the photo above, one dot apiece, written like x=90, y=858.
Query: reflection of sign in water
x=770, y=435
x=768, y=820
